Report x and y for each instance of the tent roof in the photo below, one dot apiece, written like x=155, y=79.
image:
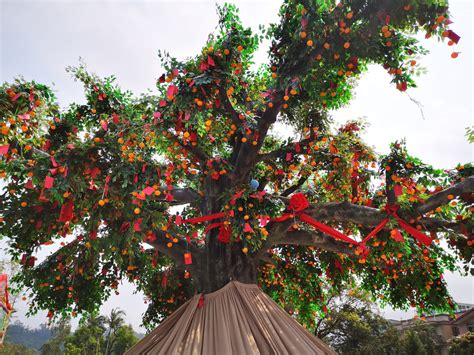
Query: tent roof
x=237, y=319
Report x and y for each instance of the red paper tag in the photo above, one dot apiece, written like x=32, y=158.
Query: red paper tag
x=201, y=302
x=210, y=61
x=136, y=225
x=248, y=228
x=66, y=213
x=29, y=184
x=398, y=190
x=53, y=161
x=396, y=235
x=188, y=260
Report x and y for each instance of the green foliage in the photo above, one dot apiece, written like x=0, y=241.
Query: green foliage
x=421, y=338
x=462, y=345
x=16, y=349
x=106, y=154
x=125, y=338
x=353, y=327
x=101, y=335
x=88, y=337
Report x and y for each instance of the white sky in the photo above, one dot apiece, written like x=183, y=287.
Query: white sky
x=40, y=38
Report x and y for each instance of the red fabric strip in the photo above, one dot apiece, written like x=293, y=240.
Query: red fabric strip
x=212, y=226
x=326, y=229
x=421, y=237
x=204, y=218
x=374, y=231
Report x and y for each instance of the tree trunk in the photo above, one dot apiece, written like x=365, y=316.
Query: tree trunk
x=221, y=263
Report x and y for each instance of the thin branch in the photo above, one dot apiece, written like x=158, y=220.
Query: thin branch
x=40, y=152
x=181, y=196
x=195, y=151
x=234, y=115
x=295, y=187
x=176, y=252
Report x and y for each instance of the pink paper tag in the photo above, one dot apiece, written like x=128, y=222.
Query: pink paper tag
x=48, y=182
x=4, y=149
x=148, y=190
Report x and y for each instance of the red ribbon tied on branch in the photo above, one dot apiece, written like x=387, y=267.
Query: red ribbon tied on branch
x=298, y=203
x=391, y=210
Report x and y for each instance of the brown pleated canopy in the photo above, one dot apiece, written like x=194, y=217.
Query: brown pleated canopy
x=237, y=319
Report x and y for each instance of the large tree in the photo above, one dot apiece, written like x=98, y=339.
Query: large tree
x=117, y=182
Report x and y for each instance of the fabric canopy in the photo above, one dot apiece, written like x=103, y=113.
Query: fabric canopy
x=237, y=319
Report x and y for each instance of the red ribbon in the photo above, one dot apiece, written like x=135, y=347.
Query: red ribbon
x=201, y=219
x=326, y=229
x=224, y=232
x=392, y=211
x=390, y=208
x=318, y=225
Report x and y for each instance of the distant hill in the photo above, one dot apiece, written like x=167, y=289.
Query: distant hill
x=140, y=335
x=18, y=333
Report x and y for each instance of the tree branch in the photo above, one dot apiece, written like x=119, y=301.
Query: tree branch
x=195, y=151
x=234, y=115
x=176, y=252
x=181, y=196
x=295, y=187
x=248, y=153
x=441, y=198
x=318, y=240
x=344, y=212
x=289, y=148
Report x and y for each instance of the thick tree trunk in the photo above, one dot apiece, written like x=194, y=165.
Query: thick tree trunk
x=221, y=263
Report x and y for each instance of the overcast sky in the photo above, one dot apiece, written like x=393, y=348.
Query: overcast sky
x=40, y=38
